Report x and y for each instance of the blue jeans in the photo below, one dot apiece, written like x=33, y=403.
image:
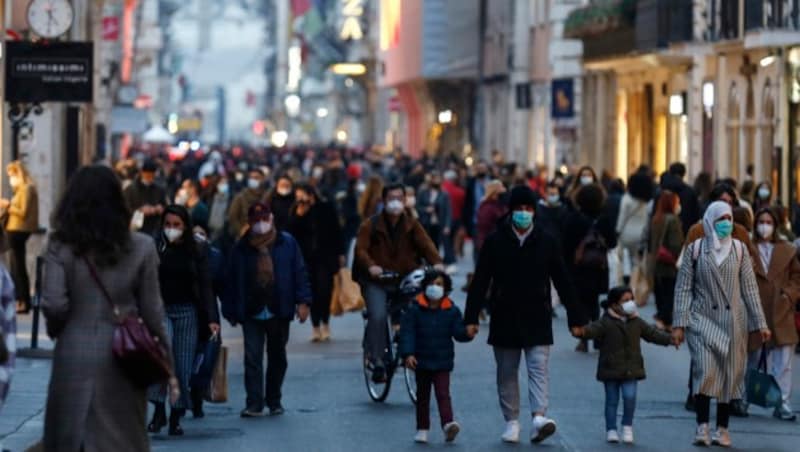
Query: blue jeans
x=613, y=389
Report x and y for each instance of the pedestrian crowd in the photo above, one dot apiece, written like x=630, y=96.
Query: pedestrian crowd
x=258, y=237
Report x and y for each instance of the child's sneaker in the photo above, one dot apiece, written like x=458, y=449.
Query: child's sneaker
x=451, y=430
x=612, y=436
x=627, y=434
x=511, y=435
x=702, y=437
x=721, y=437
x=421, y=436
x=542, y=428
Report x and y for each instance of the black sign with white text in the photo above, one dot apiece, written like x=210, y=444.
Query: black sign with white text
x=52, y=72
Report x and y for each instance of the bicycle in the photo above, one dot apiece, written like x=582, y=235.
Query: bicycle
x=399, y=296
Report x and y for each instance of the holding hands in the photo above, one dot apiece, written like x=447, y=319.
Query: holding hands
x=411, y=362
x=472, y=331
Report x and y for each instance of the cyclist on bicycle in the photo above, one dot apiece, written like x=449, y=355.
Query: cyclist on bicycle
x=391, y=241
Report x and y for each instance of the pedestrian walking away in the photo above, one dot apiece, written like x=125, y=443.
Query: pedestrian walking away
x=267, y=287
x=716, y=306
x=426, y=346
x=620, y=363
x=92, y=404
x=515, y=267
x=665, y=243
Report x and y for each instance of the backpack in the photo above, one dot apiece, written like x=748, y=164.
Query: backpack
x=592, y=251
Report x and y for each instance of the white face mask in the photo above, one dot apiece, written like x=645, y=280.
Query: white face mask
x=763, y=193
x=317, y=173
x=283, y=191
x=262, y=227
x=15, y=181
x=223, y=188
x=253, y=183
x=434, y=292
x=587, y=180
x=765, y=230
x=395, y=207
x=411, y=202
x=360, y=187
x=629, y=307
x=173, y=234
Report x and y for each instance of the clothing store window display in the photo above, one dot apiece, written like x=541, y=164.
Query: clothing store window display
x=21, y=217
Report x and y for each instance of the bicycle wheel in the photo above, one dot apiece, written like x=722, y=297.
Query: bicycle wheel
x=411, y=384
x=378, y=392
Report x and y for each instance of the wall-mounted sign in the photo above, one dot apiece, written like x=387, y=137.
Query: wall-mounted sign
x=562, y=98
x=352, y=11
x=110, y=28
x=52, y=72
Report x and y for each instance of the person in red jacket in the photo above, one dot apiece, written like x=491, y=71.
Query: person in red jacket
x=457, y=197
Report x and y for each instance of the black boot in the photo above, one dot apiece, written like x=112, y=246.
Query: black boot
x=197, y=404
x=175, y=421
x=159, y=418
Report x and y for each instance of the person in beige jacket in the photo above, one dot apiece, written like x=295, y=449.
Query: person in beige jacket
x=22, y=213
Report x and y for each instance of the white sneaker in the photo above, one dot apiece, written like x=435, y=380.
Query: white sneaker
x=702, y=437
x=421, y=436
x=542, y=428
x=511, y=435
x=612, y=436
x=627, y=434
x=721, y=437
x=451, y=430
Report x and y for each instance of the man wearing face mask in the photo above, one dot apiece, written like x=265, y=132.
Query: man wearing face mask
x=515, y=267
x=147, y=199
x=389, y=241
x=255, y=192
x=267, y=287
x=550, y=211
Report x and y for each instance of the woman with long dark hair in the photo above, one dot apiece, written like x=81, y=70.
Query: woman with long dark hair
x=92, y=405
x=666, y=241
x=314, y=224
x=185, y=281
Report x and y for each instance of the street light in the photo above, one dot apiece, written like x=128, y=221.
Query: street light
x=322, y=112
x=279, y=138
x=676, y=104
x=341, y=136
x=292, y=105
x=445, y=117
x=767, y=60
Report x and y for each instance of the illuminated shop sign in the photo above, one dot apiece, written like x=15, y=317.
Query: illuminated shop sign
x=353, y=11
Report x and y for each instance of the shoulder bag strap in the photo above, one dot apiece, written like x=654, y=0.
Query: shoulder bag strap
x=100, y=285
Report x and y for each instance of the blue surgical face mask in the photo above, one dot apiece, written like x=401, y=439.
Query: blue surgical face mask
x=434, y=292
x=553, y=199
x=522, y=219
x=723, y=228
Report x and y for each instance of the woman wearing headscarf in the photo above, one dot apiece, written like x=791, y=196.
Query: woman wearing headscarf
x=778, y=276
x=716, y=305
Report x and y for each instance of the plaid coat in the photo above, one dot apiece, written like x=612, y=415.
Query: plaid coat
x=90, y=401
x=718, y=306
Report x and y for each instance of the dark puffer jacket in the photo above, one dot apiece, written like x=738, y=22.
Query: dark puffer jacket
x=620, y=351
x=428, y=334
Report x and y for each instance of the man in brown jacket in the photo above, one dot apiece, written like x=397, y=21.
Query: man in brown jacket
x=391, y=241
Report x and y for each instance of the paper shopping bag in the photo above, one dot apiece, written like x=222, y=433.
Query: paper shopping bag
x=218, y=388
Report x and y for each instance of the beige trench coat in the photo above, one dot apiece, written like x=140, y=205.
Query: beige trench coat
x=90, y=402
x=718, y=305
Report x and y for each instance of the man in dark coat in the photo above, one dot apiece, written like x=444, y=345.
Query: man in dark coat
x=267, y=285
x=690, y=204
x=518, y=262
x=147, y=200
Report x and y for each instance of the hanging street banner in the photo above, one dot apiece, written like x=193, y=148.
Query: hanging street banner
x=52, y=72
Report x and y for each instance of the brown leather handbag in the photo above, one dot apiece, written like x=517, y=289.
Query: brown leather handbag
x=138, y=353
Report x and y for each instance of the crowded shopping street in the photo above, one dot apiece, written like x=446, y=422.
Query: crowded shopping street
x=358, y=225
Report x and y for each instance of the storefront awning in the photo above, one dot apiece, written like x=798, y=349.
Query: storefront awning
x=600, y=17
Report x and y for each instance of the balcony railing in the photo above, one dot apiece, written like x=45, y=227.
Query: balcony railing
x=729, y=19
x=662, y=22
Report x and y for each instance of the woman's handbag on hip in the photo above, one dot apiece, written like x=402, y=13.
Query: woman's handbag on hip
x=136, y=350
x=762, y=389
x=664, y=256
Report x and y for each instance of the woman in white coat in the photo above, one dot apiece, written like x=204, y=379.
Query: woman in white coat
x=716, y=306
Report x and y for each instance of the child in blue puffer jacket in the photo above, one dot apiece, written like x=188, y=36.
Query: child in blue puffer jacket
x=426, y=343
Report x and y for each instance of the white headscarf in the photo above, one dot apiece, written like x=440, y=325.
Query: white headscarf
x=720, y=247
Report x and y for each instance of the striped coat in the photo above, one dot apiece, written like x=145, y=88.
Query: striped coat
x=718, y=306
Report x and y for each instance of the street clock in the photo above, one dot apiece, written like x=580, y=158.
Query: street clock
x=50, y=18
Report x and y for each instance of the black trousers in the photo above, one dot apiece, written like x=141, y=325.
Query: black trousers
x=17, y=266
x=435, y=233
x=321, y=291
x=664, y=290
x=276, y=333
